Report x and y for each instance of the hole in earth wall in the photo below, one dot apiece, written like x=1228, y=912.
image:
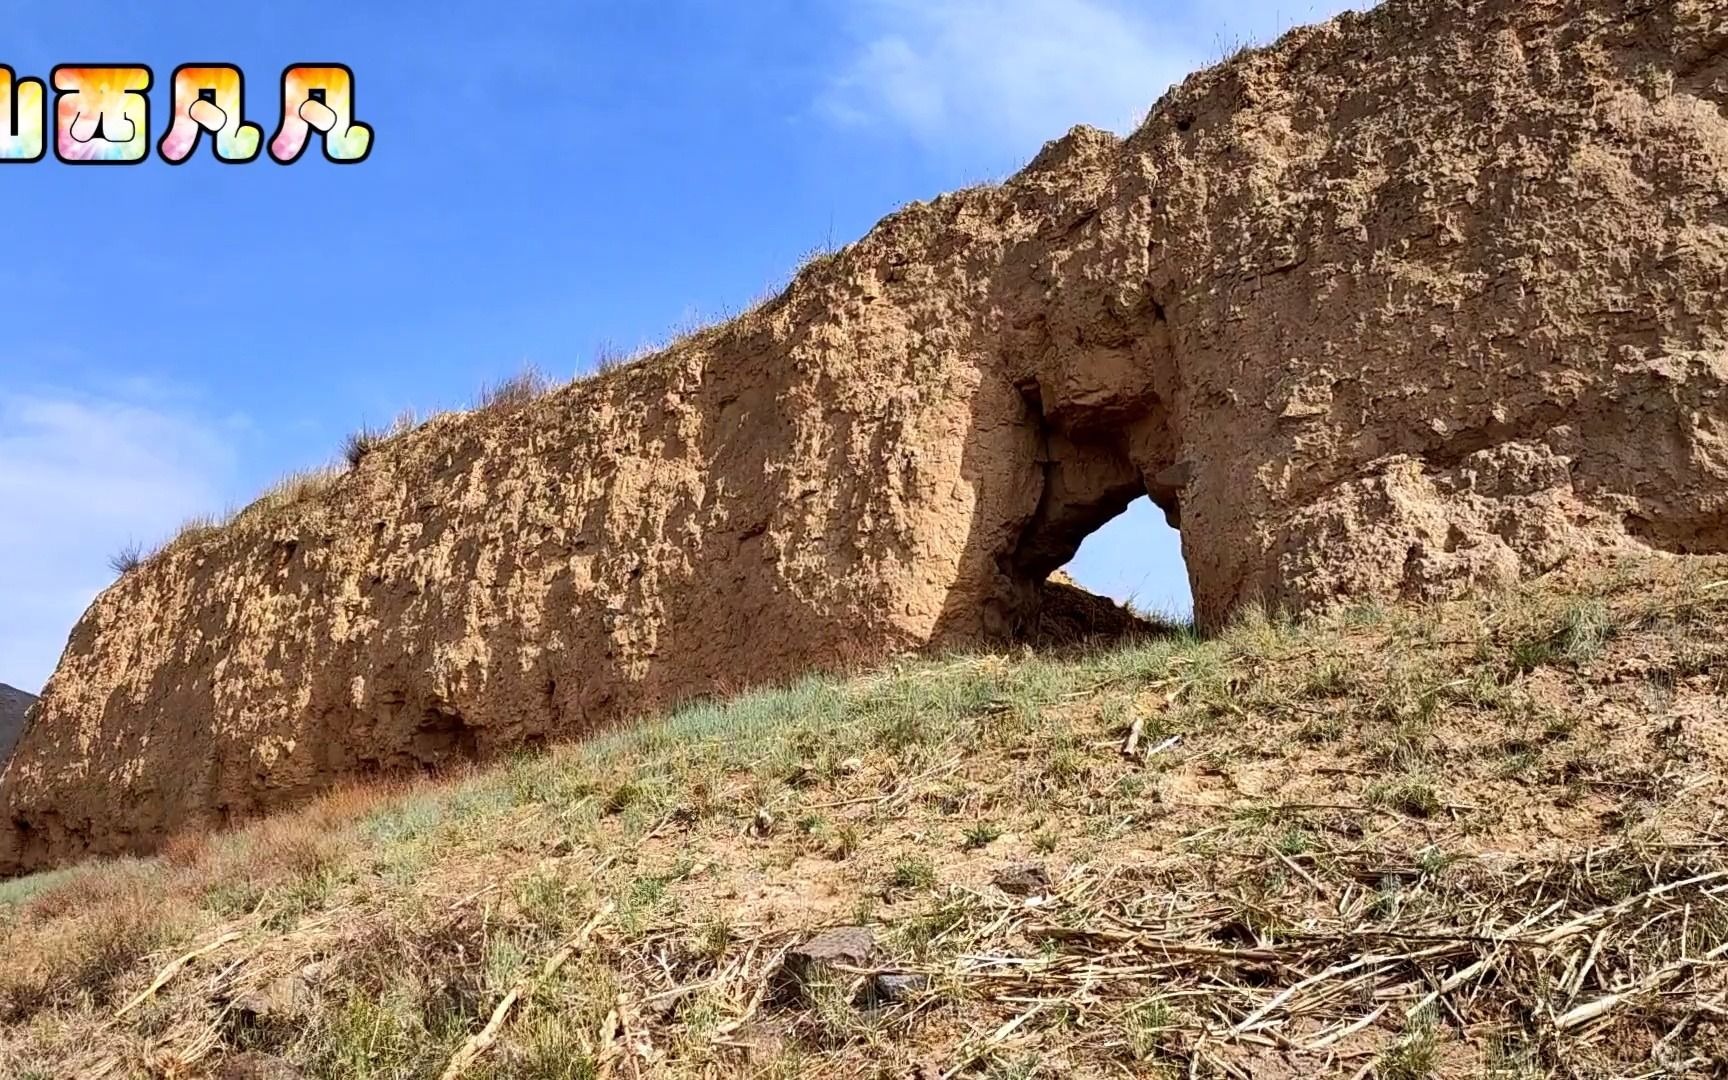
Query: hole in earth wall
x=1135, y=558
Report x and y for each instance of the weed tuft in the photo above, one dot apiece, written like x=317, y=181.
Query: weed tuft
x=127, y=559
x=359, y=444
x=913, y=872
x=1413, y=795
x=514, y=393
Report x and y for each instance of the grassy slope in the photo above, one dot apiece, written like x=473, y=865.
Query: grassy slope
x=1448, y=841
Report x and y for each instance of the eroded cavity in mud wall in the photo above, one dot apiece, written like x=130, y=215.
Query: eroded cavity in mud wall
x=1092, y=473
x=1099, y=385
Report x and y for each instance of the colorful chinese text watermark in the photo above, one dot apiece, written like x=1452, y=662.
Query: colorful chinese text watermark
x=102, y=115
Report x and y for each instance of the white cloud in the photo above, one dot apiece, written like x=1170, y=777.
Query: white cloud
x=1007, y=75
x=80, y=477
x=1013, y=72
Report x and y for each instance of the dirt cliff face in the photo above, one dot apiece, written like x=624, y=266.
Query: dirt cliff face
x=1409, y=303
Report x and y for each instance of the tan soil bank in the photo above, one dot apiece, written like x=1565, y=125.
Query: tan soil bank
x=1409, y=303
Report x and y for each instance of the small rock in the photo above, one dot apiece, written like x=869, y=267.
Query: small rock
x=896, y=989
x=852, y=946
x=1031, y=880
x=815, y=961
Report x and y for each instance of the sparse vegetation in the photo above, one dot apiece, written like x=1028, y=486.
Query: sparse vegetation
x=1242, y=900
x=1413, y=1057
x=816, y=257
x=1579, y=633
x=504, y=396
x=295, y=488
x=981, y=835
x=197, y=527
x=518, y=391
x=360, y=443
x=127, y=559
x=305, y=485
x=1413, y=795
x=608, y=358
x=1143, y=1024
x=913, y=872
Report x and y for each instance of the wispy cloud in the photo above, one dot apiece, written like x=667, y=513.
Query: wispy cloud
x=80, y=476
x=1010, y=74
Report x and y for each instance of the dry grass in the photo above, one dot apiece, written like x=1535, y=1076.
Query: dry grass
x=360, y=444
x=608, y=358
x=127, y=559
x=357, y=445
x=516, y=392
x=193, y=529
x=1477, y=839
x=295, y=488
x=303, y=486
x=198, y=527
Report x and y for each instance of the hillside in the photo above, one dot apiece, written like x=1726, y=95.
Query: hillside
x=1478, y=837
x=14, y=703
x=1417, y=302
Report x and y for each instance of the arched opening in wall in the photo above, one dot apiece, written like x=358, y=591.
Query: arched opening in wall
x=1135, y=559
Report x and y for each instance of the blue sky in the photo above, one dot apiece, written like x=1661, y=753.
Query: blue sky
x=545, y=180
